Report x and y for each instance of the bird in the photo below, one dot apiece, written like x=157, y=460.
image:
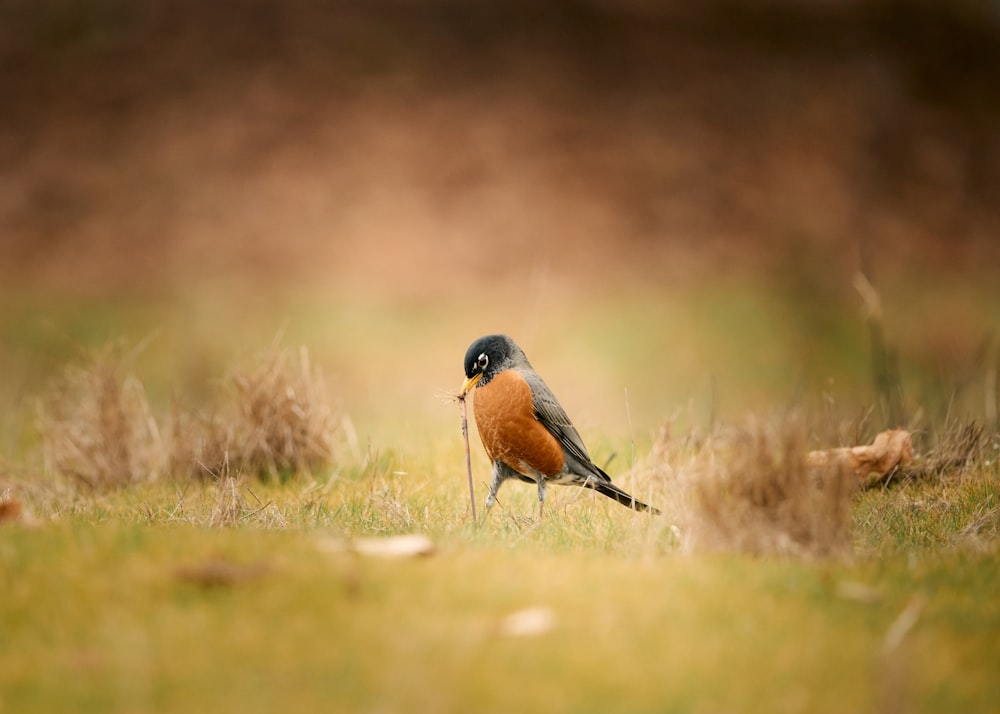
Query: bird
x=524, y=429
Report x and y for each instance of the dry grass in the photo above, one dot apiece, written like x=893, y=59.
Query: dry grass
x=747, y=490
x=271, y=418
x=96, y=424
x=198, y=444
x=236, y=504
x=230, y=502
x=961, y=444
x=284, y=423
x=750, y=490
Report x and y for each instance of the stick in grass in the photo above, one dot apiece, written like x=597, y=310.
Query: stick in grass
x=468, y=456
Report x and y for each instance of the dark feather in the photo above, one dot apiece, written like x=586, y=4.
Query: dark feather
x=611, y=491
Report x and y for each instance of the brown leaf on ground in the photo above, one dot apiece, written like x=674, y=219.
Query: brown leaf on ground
x=890, y=449
x=218, y=572
x=11, y=510
x=14, y=512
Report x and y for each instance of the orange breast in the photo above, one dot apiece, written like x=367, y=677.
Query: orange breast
x=505, y=417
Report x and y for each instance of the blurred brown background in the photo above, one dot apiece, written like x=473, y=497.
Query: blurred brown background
x=670, y=199
x=413, y=147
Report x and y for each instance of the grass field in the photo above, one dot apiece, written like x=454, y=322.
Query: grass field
x=244, y=247
x=222, y=591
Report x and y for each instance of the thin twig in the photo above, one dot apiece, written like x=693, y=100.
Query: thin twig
x=468, y=456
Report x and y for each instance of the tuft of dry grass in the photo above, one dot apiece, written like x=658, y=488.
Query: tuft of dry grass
x=198, y=444
x=271, y=417
x=752, y=490
x=284, y=422
x=274, y=419
x=229, y=503
x=961, y=444
x=96, y=424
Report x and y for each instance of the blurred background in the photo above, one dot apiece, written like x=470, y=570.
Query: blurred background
x=665, y=203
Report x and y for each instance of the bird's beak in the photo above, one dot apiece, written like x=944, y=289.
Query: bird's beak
x=471, y=382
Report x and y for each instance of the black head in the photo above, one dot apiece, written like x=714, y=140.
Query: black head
x=488, y=356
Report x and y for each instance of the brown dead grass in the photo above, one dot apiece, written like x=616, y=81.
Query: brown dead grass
x=960, y=445
x=230, y=502
x=96, y=423
x=197, y=444
x=270, y=418
x=751, y=490
x=284, y=420
x=758, y=489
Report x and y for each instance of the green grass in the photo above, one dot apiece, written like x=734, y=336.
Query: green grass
x=109, y=601
x=98, y=615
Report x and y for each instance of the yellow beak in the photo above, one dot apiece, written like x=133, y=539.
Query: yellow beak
x=471, y=382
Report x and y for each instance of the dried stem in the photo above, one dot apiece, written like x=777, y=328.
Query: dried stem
x=468, y=456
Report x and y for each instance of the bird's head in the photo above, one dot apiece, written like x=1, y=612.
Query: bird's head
x=488, y=356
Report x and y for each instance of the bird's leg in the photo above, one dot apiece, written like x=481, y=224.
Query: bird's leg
x=500, y=474
x=541, y=495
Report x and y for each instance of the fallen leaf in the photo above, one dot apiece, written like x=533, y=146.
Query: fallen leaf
x=11, y=511
x=529, y=622
x=889, y=449
x=218, y=573
x=401, y=546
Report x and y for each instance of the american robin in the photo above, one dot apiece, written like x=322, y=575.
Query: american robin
x=524, y=429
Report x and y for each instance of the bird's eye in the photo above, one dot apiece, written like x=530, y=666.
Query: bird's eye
x=483, y=361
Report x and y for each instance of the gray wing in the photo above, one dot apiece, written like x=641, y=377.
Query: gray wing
x=549, y=411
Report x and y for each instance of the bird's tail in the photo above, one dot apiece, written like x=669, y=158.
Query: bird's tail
x=611, y=491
